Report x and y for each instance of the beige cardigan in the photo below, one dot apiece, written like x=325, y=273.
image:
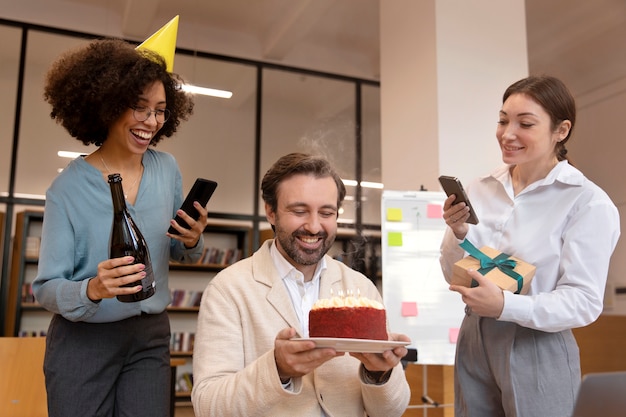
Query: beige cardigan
x=243, y=309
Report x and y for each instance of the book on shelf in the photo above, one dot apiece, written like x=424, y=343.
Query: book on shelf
x=217, y=256
x=32, y=247
x=184, y=382
x=32, y=333
x=27, y=293
x=185, y=298
x=182, y=342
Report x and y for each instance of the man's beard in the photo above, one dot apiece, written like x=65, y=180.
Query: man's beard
x=291, y=246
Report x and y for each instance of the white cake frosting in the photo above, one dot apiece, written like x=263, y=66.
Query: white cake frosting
x=349, y=301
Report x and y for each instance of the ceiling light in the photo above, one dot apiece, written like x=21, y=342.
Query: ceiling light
x=194, y=89
x=70, y=154
x=364, y=184
x=21, y=195
x=368, y=184
x=352, y=198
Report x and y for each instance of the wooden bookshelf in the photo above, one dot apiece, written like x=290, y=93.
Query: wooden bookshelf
x=1, y=229
x=24, y=259
x=194, y=278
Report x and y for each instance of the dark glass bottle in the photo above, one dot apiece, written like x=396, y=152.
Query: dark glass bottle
x=127, y=240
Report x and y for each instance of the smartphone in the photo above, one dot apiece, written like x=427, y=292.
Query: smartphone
x=201, y=192
x=452, y=185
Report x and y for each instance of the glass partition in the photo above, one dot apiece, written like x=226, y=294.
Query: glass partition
x=10, y=58
x=371, y=162
x=300, y=111
x=40, y=138
x=218, y=140
x=312, y=114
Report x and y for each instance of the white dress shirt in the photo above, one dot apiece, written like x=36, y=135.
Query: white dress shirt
x=303, y=294
x=563, y=224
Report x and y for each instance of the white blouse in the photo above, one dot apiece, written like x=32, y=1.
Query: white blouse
x=564, y=224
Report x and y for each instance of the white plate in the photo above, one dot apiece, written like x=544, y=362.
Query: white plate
x=354, y=345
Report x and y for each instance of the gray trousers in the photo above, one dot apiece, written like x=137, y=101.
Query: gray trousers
x=503, y=369
x=108, y=369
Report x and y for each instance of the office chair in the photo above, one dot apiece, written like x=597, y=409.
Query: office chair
x=601, y=394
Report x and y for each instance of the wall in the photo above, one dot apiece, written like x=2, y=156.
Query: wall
x=598, y=147
x=444, y=66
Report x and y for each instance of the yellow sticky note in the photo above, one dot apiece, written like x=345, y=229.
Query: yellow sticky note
x=394, y=214
x=394, y=238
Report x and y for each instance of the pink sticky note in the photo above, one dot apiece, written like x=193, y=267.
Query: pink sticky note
x=409, y=309
x=434, y=211
x=453, y=334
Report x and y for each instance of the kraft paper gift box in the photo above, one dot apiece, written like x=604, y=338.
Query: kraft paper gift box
x=507, y=272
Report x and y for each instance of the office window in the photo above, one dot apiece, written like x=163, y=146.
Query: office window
x=9, y=56
x=311, y=114
x=299, y=110
x=217, y=142
x=40, y=138
x=371, y=162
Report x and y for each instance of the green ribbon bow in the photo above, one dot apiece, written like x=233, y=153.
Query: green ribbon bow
x=502, y=262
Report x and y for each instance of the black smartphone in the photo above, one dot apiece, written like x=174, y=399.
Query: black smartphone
x=452, y=185
x=201, y=192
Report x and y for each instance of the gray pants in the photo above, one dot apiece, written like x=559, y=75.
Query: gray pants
x=503, y=369
x=108, y=369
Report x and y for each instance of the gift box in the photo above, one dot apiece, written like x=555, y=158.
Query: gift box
x=507, y=272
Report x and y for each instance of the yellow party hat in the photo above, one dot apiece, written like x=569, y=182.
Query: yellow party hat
x=163, y=42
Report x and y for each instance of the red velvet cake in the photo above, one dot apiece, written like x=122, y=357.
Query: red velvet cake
x=348, y=317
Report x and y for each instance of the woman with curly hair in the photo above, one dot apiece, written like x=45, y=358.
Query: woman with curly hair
x=105, y=357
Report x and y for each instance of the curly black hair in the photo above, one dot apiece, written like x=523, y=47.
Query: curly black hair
x=90, y=87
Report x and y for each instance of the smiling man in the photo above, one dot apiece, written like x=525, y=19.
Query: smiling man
x=245, y=361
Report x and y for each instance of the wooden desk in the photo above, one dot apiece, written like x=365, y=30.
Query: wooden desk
x=440, y=387
x=602, y=345
x=22, y=385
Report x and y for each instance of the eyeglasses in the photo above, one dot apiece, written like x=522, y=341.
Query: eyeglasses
x=141, y=114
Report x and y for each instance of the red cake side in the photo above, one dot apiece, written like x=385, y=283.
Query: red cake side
x=348, y=322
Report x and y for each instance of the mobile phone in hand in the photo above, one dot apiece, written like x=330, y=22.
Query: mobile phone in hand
x=452, y=185
x=201, y=191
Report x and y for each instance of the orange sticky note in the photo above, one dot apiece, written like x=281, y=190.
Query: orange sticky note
x=409, y=309
x=394, y=238
x=394, y=214
x=453, y=333
x=434, y=211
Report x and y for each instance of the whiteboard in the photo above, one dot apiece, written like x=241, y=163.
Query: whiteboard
x=416, y=295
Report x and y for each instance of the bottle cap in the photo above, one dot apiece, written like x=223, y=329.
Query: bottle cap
x=116, y=177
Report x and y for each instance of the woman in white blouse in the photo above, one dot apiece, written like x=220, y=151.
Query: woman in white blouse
x=516, y=355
